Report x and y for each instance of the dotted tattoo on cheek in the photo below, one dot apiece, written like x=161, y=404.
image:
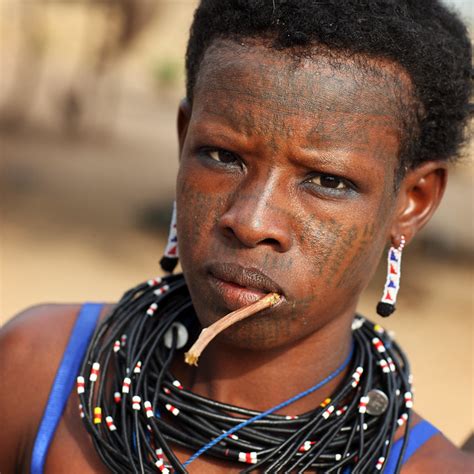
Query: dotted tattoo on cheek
x=341, y=252
x=321, y=235
x=359, y=258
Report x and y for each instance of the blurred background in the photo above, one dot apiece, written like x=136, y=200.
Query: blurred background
x=88, y=98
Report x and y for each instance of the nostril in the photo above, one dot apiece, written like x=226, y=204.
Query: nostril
x=249, y=240
x=252, y=229
x=271, y=242
x=228, y=232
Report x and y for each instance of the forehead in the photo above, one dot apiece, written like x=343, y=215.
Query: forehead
x=243, y=82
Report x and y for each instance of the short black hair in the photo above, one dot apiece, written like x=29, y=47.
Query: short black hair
x=424, y=37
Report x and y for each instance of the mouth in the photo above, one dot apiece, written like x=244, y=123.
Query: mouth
x=240, y=286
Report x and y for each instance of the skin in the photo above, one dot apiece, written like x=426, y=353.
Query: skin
x=257, y=144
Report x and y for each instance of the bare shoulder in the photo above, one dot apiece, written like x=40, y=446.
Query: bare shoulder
x=37, y=325
x=31, y=348
x=37, y=335
x=441, y=456
x=34, y=340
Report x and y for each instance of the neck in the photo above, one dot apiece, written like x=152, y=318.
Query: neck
x=260, y=380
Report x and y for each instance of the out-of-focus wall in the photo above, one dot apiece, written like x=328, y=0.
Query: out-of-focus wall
x=88, y=99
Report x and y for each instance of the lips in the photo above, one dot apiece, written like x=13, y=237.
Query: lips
x=239, y=286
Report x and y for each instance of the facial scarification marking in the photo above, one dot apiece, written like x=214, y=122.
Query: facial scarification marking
x=283, y=124
x=359, y=255
x=342, y=249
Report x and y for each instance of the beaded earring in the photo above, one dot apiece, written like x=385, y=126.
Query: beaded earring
x=170, y=257
x=386, y=305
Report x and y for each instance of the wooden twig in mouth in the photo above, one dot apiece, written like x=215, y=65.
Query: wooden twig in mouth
x=208, y=334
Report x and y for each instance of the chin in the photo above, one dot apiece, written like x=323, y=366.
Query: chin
x=264, y=331
x=246, y=337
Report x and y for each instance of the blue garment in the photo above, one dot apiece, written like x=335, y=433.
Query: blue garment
x=68, y=370
x=64, y=382
x=417, y=437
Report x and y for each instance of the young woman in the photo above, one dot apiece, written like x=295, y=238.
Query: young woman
x=313, y=135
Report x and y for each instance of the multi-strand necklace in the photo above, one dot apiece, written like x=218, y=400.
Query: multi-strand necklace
x=136, y=411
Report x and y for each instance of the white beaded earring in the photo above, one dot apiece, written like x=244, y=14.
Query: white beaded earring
x=170, y=258
x=386, y=305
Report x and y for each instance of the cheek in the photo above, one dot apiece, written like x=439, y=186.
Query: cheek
x=340, y=256
x=319, y=239
x=362, y=260
x=193, y=212
x=198, y=213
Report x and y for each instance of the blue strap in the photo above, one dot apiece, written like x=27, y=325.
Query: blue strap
x=418, y=436
x=64, y=382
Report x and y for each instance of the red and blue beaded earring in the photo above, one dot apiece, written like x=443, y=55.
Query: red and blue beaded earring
x=170, y=257
x=386, y=305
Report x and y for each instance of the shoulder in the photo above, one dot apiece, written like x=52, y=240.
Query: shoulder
x=37, y=334
x=31, y=344
x=29, y=329
x=31, y=348
x=439, y=455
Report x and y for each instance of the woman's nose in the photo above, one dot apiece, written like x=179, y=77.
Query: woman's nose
x=254, y=218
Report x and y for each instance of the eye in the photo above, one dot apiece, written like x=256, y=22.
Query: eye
x=331, y=186
x=223, y=156
x=329, y=181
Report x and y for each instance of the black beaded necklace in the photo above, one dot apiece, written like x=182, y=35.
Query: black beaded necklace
x=147, y=410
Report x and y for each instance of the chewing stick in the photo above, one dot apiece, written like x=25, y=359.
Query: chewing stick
x=208, y=334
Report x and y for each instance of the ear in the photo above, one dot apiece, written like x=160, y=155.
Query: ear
x=184, y=116
x=420, y=193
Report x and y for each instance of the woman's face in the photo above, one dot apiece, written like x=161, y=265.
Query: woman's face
x=286, y=183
